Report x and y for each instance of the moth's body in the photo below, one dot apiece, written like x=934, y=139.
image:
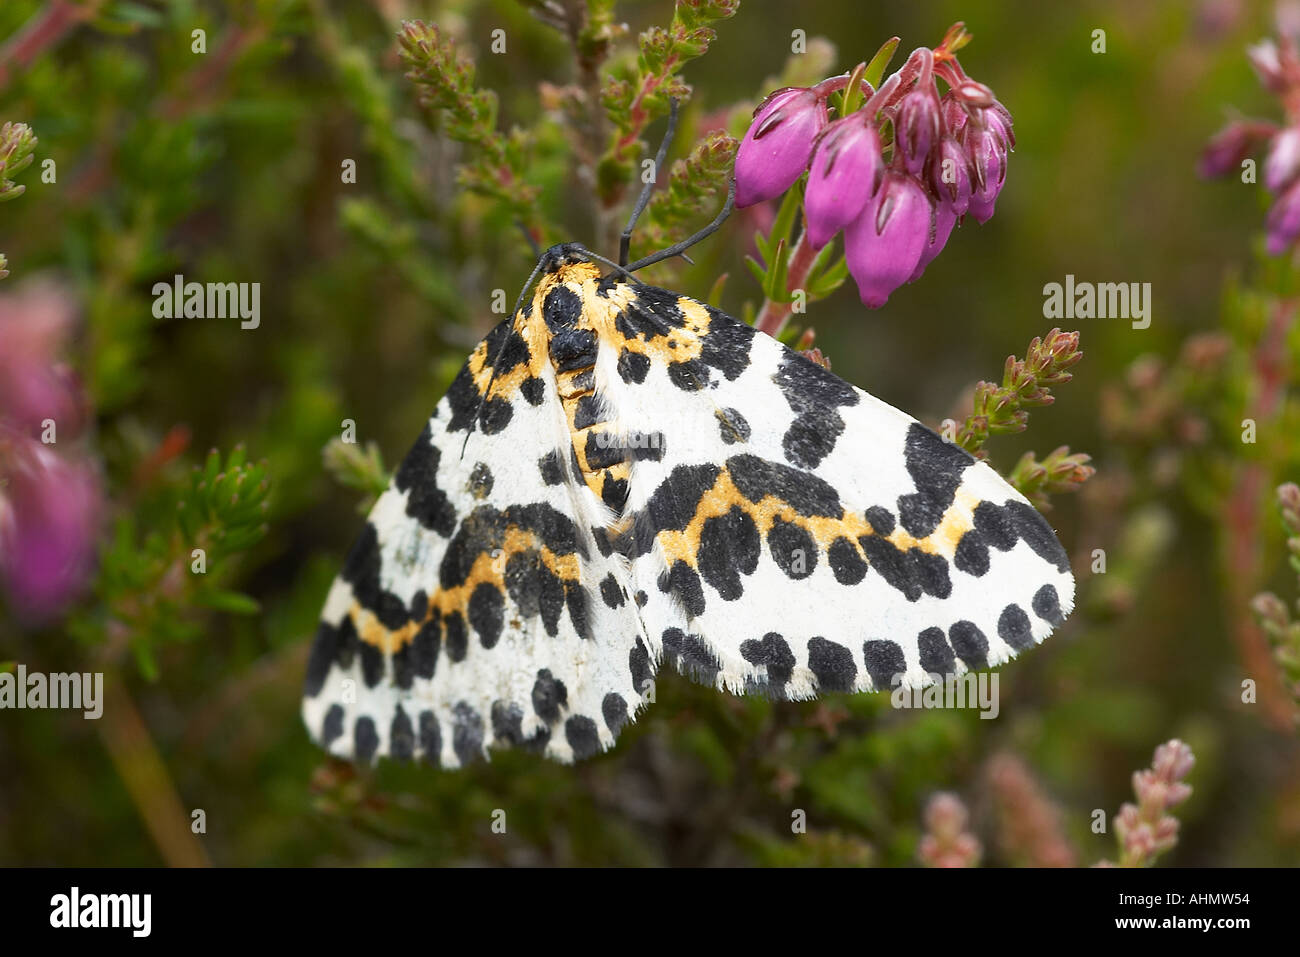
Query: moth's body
x=621, y=475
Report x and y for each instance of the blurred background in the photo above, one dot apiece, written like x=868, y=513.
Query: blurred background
x=228, y=165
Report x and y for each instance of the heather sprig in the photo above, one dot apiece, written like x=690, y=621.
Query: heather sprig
x=17, y=141
x=445, y=79
x=693, y=192
x=1146, y=830
x=635, y=96
x=1270, y=611
x=357, y=467
x=947, y=842
x=1026, y=383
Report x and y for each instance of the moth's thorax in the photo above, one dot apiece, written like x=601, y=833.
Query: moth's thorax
x=571, y=315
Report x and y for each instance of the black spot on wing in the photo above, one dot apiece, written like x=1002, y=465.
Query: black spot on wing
x=425, y=647
x=365, y=739
x=1033, y=528
x=580, y=731
x=549, y=696
x=507, y=723
x=969, y=644
x=833, y=665
x=806, y=493
x=936, y=469
x=732, y=426
x=430, y=738
x=846, y=563
x=495, y=415
x=792, y=548
x=551, y=470
x=771, y=652
x=729, y=548
x=638, y=660
x=480, y=481
x=417, y=476
x=632, y=367
x=533, y=389
x=936, y=654
x=487, y=613
x=324, y=651
x=814, y=394
x=467, y=733
x=727, y=344
x=689, y=376
x=361, y=571
x=972, y=554
x=691, y=656
x=614, y=710
x=885, y=661
x=332, y=727
x=1014, y=628
x=372, y=664
x=401, y=736
x=1047, y=605
x=457, y=636
x=882, y=522
x=672, y=505
x=683, y=583
x=610, y=593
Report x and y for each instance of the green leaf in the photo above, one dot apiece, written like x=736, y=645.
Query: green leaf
x=229, y=601
x=876, y=65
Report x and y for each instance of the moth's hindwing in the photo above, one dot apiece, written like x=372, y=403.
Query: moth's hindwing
x=797, y=535
x=476, y=609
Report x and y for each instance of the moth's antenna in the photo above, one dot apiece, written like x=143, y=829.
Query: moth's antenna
x=678, y=248
x=644, y=199
x=528, y=238
x=608, y=262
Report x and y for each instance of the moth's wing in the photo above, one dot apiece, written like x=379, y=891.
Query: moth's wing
x=794, y=534
x=476, y=609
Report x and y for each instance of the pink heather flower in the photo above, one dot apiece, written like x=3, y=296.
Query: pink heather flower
x=950, y=175
x=988, y=160
x=945, y=218
x=1284, y=220
x=946, y=842
x=845, y=173
x=917, y=127
x=1265, y=59
x=777, y=145
x=1232, y=144
x=885, y=243
x=35, y=320
x=49, y=518
x=1283, y=160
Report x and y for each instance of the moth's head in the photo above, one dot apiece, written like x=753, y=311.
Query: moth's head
x=559, y=257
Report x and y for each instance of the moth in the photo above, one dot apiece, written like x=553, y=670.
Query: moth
x=621, y=478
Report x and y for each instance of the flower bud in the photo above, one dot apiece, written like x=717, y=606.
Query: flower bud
x=950, y=177
x=884, y=244
x=777, y=145
x=988, y=161
x=1283, y=160
x=1284, y=220
x=917, y=128
x=844, y=174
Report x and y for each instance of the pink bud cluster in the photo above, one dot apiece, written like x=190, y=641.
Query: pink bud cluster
x=895, y=176
x=1145, y=829
x=1277, y=63
x=51, y=498
x=946, y=842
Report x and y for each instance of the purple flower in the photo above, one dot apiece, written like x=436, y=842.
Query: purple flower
x=1283, y=160
x=885, y=243
x=1232, y=144
x=917, y=127
x=945, y=218
x=34, y=322
x=1284, y=220
x=988, y=161
x=49, y=521
x=950, y=175
x=777, y=145
x=844, y=174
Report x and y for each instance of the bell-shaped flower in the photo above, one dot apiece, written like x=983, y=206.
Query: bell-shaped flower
x=777, y=145
x=885, y=243
x=844, y=174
